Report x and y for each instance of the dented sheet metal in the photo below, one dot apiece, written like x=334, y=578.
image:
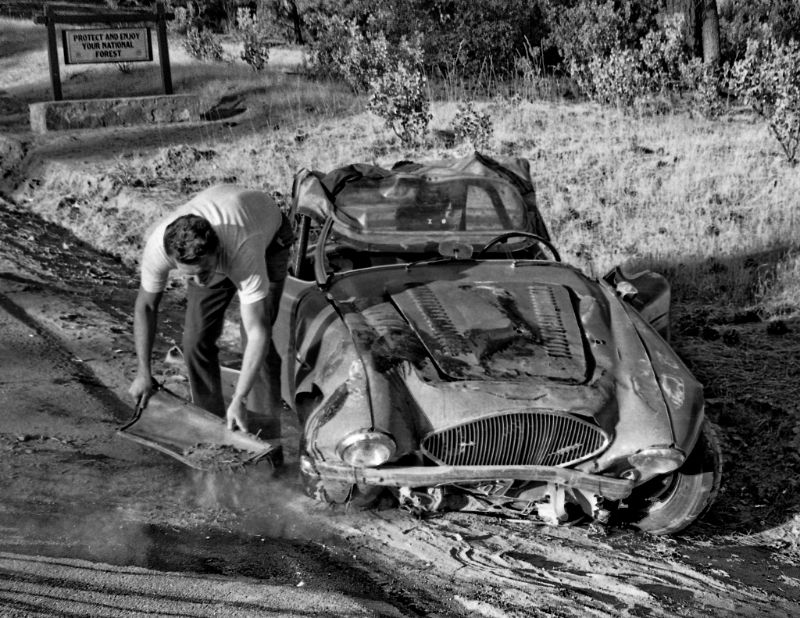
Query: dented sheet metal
x=192, y=435
x=499, y=331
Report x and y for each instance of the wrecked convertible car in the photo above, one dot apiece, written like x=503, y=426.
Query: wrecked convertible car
x=437, y=350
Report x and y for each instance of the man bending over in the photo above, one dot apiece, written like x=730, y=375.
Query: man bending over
x=226, y=240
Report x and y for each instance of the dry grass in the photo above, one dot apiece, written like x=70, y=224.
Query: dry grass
x=709, y=203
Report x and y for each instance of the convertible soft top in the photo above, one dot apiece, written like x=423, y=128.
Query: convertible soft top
x=474, y=195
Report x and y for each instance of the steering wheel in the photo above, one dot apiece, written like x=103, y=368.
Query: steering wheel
x=503, y=237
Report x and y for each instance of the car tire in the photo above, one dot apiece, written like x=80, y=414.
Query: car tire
x=335, y=493
x=684, y=495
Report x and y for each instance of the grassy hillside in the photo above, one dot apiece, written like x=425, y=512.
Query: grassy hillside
x=712, y=204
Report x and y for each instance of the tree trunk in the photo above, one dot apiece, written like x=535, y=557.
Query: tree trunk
x=692, y=21
x=290, y=10
x=710, y=32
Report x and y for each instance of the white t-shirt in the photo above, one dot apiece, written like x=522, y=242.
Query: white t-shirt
x=245, y=222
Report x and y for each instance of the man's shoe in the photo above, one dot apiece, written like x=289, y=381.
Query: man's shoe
x=276, y=456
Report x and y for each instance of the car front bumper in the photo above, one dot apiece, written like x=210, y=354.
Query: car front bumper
x=426, y=476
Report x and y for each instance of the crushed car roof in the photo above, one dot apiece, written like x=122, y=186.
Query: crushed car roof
x=472, y=197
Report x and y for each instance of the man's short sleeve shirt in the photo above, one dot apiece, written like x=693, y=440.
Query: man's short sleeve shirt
x=245, y=222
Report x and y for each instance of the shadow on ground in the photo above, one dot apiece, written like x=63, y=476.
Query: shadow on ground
x=748, y=359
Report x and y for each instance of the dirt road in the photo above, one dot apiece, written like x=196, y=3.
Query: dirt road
x=95, y=525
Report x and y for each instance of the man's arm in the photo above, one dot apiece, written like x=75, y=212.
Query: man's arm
x=256, y=325
x=145, y=320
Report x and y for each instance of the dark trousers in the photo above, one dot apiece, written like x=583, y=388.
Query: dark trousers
x=205, y=317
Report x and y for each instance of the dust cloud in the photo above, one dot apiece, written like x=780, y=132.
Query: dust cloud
x=264, y=503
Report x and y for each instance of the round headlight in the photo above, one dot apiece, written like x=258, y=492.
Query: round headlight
x=366, y=449
x=657, y=461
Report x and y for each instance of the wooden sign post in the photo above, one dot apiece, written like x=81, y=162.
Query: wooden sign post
x=107, y=44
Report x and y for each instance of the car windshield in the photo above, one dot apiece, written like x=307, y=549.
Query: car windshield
x=409, y=203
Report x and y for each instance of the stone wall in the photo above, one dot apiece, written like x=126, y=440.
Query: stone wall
x=123, y=112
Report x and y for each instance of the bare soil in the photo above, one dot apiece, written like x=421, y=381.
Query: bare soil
x=80, y=501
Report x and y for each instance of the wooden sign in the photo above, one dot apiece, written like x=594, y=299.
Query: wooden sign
x=107, y=45
x=159, y=17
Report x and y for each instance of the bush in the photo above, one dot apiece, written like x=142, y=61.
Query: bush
x=587, y=33
x=183, y=20
x=459, y=36
x=626, y=77
x=392, y=75
x=471, y=39
x=343, y=51
x=706, y=83
x=616, y=79
x=337, y=43
x=768, y=80
x=255, y=39
x=203, y=45
x=399, y=95
x=473, y=126
x=584, y=32
x=742, y=21
x=662, y=56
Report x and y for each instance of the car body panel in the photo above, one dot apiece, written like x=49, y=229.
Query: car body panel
x=622, y=377
x=502, y=364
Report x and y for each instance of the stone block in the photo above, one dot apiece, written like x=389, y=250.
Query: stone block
x=118, y=112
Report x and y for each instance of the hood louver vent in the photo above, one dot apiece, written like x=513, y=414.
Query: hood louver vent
x=496, y=331
x=439, y=323
x=548, y=316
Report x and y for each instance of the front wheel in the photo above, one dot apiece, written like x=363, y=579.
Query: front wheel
x=337, y=492
x=669, y=504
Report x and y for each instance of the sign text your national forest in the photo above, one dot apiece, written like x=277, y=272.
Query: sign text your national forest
x=107, y=45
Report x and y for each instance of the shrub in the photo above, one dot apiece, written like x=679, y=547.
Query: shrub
x=584, y=32
x=399, y=95
x=616, y=79
x=663, y=53
x=768, y=80
x=742, y=21
x=459, y=36
x=255, y=38
x=331, y=51
x=367, y=60
x=400, y=98
x=184, y=19
x=472, y=39
x=203, y=45
x=705, y=83
x=392, y=75
x=626, y=77
x=343, y=51
x=616, y=51
x=473, y=125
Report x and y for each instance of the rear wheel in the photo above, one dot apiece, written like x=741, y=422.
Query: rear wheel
x=667, y=505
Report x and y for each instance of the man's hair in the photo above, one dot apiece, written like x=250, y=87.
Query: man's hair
x=189, y=239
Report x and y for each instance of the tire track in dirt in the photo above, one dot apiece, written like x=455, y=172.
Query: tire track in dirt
x=569, y=572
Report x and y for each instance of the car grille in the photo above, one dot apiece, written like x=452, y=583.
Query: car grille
x=537, y=437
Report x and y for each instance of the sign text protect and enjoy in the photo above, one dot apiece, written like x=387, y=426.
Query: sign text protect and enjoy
x=107, y=45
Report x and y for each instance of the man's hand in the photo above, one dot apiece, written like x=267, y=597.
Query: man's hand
x=255, y=332
x=237, y=415
x=141, y=389
x=145, y=318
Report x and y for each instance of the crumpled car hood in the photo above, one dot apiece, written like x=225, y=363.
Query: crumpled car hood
x=508, y=331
